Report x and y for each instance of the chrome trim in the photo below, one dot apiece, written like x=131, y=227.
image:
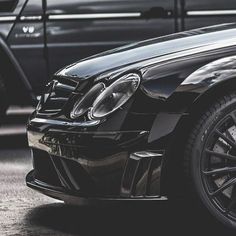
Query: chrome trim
x=17, y=110
x=94, y=16
x=31, y=18
x=12, y=130
x=7, y=18
x=145, y=154
x=64, y=123
x=211, y=12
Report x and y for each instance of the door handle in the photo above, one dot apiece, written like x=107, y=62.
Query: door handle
x=157, y=12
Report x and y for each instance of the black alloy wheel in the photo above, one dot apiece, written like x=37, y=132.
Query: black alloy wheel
x=210, y=159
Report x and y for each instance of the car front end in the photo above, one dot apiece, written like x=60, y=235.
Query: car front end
x=108, y=127
x=89, y=140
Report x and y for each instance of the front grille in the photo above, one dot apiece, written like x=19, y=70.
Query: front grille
x=56, y=96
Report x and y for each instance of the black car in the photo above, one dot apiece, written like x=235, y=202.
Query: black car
x=149, y=121
x=37, y=37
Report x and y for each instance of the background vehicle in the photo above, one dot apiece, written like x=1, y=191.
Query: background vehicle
x=37, y=37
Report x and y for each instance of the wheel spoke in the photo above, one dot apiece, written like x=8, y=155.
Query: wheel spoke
x=229, y=135
x=224, y=170
x=224, y=186
x=222, y=144
x=232, y=115
x=221, y=155
x=226, y=139
x=233, y=201
x=218, y=165
x=230, y=206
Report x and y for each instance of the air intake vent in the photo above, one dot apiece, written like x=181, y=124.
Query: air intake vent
x=142, y=174
x=56, y=96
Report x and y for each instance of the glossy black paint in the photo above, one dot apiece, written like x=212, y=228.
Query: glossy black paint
x=90, y=36
x=166, y=70
x=101, y=158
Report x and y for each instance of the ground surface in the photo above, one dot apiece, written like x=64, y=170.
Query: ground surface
x=25, y=212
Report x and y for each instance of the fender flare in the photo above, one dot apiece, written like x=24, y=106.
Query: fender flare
x=180, y=100
x=209, y=76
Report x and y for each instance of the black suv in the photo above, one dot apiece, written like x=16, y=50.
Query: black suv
x=37, y=37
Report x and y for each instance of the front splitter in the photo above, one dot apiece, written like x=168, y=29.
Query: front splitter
x=76, y=199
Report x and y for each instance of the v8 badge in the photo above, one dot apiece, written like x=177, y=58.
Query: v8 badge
x=28, y=29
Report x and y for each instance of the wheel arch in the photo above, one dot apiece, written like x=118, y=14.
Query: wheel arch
x=173, y=163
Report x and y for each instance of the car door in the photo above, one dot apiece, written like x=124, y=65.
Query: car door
x=19, y=88
x=27, y=42
x=208, y=12
x=9, y=9
x=79, y=28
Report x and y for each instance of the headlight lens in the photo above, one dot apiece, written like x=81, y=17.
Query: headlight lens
x=114, y=96
x=83, y=105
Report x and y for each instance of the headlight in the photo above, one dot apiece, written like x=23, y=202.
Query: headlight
x=83, y=105
x=114, y=96
x=101, y=100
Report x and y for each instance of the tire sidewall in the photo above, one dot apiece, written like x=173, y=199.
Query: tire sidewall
x=195, y=164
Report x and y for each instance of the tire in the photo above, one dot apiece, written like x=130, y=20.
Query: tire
x=210, y=160
x=3, y=100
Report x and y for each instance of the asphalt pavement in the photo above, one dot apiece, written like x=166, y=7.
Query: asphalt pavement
x=26, y=212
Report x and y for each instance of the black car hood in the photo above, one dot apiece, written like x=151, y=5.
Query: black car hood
x=150, y=49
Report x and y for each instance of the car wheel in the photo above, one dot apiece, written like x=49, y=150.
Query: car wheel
x=210, y=159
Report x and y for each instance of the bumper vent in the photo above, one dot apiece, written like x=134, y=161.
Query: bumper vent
x=56, y=96
x=142, y=174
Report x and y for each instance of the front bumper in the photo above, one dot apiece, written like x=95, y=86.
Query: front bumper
x=71, y=164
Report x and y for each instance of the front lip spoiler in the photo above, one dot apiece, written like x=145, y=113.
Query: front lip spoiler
x=74, y=199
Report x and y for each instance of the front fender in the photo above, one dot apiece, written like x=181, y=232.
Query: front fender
x=179, y=99
x=209, y=75
x=202, y=80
